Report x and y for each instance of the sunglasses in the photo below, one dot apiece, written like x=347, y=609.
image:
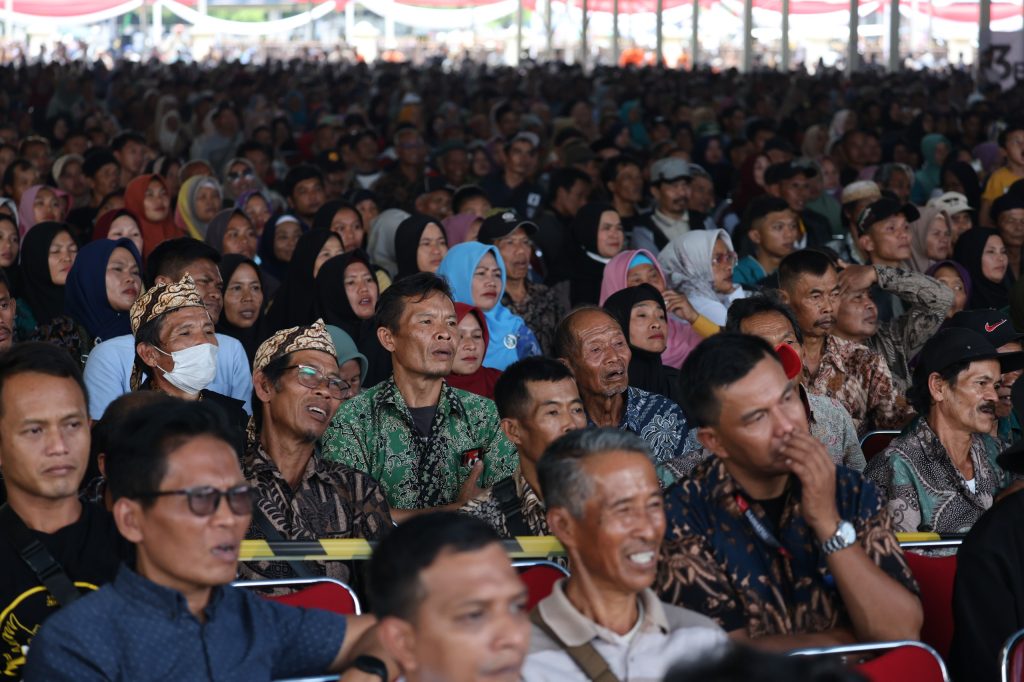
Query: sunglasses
x=204, y=500
x=239, y=176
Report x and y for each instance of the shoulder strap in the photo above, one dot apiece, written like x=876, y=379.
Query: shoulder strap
x=47, y=569
x=584, y=656
x=504, y=492
x=299, y=568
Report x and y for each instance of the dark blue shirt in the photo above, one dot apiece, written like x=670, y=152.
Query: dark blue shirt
x=657, y=420
x=134, y=629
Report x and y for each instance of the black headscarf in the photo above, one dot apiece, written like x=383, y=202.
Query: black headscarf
x=249, y=337
x=967, y=252
x=271, y=264
x=646, y=370
x=333, y=306
x=407, y=242
x=585, y=272
x=45, y=298
x=294, y=303
x=325, y=214
x=965, y=173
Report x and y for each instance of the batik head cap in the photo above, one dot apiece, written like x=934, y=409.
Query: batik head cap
x=163, y=298
x=294, y=339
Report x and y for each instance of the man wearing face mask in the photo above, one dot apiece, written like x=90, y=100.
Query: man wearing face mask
x=176, y=347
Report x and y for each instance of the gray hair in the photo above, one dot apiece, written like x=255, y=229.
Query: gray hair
x=560, y=469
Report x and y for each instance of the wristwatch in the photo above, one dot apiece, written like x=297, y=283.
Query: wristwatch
x=845, y=536
x=371, y=665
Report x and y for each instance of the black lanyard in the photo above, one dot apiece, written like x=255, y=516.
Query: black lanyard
x=766, y=536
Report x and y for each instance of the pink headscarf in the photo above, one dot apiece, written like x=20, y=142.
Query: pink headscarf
x=457, y=227
x=26, y=216
x=681, y=336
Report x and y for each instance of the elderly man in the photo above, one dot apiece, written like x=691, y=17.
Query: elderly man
x=898, y=339
x=537, y=401
x=299, y=495
x=450, y=605
x=428, y=444
x=941, y=475
x=855, y=376
x=1008, y=216
x=959, y=210
x=44, y=452
x=180, y=498
x=605, y=506
x=175, y=346
x=511, y=185
x=769, y=537
x=108, y=371
x=670, y=186
x=591, y=343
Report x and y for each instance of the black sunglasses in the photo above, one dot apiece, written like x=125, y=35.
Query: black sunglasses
x=204, y=500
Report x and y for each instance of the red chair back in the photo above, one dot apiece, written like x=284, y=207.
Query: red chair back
x=540, y=578
x=325, y=593
x=875, y=442
x=1013, y=658
x=935, y=577
x=902, y=664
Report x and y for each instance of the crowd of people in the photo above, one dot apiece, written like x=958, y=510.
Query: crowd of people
x=650, y=313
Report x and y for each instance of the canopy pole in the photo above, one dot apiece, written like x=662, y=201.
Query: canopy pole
x=519, y=31
x=984, y=27
x=549, y=30
x=389, y=26
x=615, y=32
x=695, y=35
x=785, y=37
x=584, y=50
x=894, y=36
x=660, y=52
x=158, y=23
x=350, y=21
x=748, y=35
x=851, y=46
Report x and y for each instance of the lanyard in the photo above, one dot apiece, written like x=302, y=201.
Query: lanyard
x=766, y=536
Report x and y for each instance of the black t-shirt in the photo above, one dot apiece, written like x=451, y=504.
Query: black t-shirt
x=89, y=550
x=423, y=418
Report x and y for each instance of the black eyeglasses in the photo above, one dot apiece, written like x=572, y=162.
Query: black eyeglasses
x=203, y=500
x=239, y=176
x=311, y=377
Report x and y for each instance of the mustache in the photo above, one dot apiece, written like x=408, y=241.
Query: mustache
x=989, y=406
x=825, y=321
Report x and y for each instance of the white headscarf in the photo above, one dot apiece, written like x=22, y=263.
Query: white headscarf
x=687, y=263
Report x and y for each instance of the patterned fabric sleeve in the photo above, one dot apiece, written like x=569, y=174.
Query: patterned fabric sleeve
x=929, y=299
x=878, y=536
x=853, y=455
x=500, y=458
x=894, y=485
x=886, y=409
x=486, y=509
x=343, y=441
x=372, y=512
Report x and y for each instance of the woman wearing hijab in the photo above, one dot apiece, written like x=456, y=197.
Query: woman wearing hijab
x=420, y=245
x=257, y=206
x=239, y=177
x=199, y=200
x=243, y=301
x=40, y=204
x=294, y=304
x=343, y=219
x=10, y=246
x=468, y=372
x=346, y=294
x=959, y=176
x=149, y=201
x=382, y=238
x=699, y=264
x=641, y=313
x=709, y=154
x=956, y=277
x=277, y=245
x=47, y=254
x=634, y=267
x=751, y=184
x=476, y=274
x=231, y=231
x=599, y=237
x=101, y=287
x=461, y=227
x=117, y=224
x=983, y=254
x=352, y=365
x=931, y=238
x=934, y=150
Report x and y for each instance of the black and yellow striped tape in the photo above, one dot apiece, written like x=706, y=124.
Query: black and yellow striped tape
x=523, y=547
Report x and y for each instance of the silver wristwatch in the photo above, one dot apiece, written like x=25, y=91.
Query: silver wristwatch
x=845, y=536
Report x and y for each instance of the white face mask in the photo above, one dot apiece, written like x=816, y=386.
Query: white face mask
x=194, y=368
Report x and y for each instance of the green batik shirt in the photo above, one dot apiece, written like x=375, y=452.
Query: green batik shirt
x=375, y=433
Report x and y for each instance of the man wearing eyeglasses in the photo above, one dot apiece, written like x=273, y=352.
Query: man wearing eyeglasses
x=180, y=497
x=300, y=495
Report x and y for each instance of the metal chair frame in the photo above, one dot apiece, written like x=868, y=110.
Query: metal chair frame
x=1006, y=653
x=300, y=582
x=874, y=647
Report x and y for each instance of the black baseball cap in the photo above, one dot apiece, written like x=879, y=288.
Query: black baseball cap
x=953, y=345
x=435, y=183
x=502, y=223
x=1009, y=201
x=995, y=326
x=885, y=208
x=97, y=158
x=777, y=172
x=1012, y=459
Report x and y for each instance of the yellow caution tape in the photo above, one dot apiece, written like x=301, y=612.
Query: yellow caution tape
x=522, y=547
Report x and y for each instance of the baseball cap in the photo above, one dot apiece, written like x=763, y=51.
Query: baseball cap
x=524, y=135
x=95, y=159
x=990, y=323
x=501, y=224
x=951, y=202
x=860, y=190
x=777, y=172
x=885, y=208
x=435, y=183
x=1012, y=459
x=955, y=344
x=577, y=152
x=1007, y=202
x=669, y=169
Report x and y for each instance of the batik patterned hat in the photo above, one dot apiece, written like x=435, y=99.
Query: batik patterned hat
x=291, y=340
x=163, y=298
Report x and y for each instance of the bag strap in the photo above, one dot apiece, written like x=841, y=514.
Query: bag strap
x=47, y=569
x=504, y=492
x=584, y=656
x=299, y=568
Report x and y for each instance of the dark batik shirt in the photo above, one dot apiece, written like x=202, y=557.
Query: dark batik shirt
x=657, y=420
x=133, y=629
x=541, y=310
x=714, y=563
x=488, y=508
x=333, y=500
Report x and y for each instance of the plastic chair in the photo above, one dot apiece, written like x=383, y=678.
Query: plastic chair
x=875, y=441
x=311, y=593
x=1011, y=659
x=540, y=578
x=935, y=577
x=898, y=661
